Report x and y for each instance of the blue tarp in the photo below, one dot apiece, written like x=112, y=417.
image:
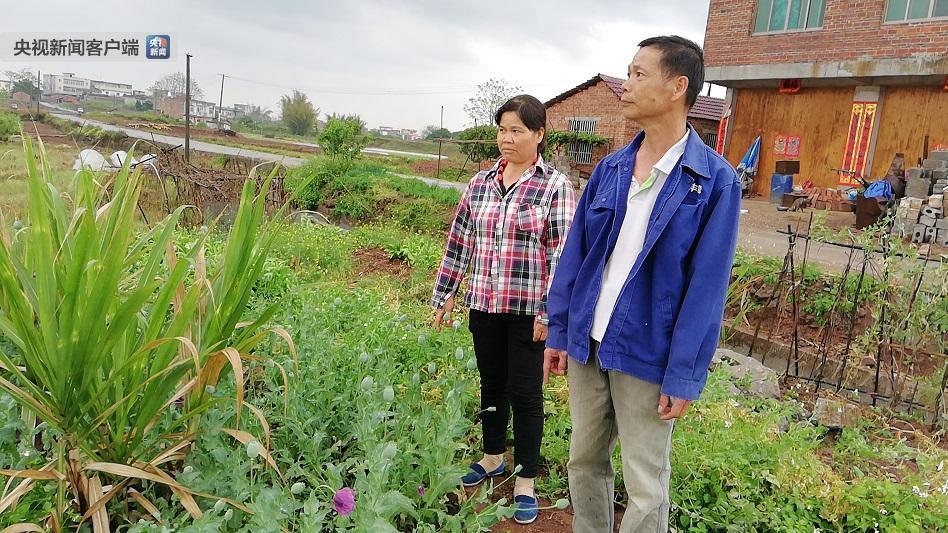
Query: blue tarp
x=879, y=189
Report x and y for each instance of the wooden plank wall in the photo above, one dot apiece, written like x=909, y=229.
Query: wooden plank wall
x=908, y=115
x=820, y=116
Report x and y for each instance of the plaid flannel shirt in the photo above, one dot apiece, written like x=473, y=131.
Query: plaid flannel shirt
x=510, y=243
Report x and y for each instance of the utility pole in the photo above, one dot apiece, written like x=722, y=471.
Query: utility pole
x=187, y=109
x=39, y=91
x=221, y=104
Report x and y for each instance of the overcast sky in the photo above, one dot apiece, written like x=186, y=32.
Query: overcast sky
x=393, y=63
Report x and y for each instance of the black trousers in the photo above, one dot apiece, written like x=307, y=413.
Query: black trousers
x=511, y=368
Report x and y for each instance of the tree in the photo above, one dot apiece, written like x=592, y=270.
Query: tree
x=491, y=94
x=258, y=114
x=343, y=138
x=434, y=132
x=355, y=119
x=174, y=84
x=24, y=80
x=299, y=115
x=486, y=148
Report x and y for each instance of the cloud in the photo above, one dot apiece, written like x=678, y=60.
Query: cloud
x=393, y=63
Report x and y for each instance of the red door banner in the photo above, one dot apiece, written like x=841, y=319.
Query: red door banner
x=722, y=131
x=856, y=156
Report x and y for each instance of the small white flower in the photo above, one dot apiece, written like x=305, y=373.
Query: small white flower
x=727, y=424
x=883, y=511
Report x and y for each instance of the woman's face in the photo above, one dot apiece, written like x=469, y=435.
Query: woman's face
x=516, y=142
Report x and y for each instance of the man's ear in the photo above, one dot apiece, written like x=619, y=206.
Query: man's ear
x=681, y=86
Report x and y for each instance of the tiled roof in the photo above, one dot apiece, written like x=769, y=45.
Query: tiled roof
x=705, y=107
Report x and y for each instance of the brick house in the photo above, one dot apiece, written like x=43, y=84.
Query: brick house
x=173, y=106
x=594, y=107
x=837, y=86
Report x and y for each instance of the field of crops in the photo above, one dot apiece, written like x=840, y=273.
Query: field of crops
x=272, y=376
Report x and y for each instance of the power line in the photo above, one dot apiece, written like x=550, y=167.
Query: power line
x=367, y=91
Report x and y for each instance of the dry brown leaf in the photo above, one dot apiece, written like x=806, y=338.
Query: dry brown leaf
x=244, y=438
x=146, y=504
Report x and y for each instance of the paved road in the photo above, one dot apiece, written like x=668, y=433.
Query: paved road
x=257, y=155
x=437, y=183
x=200, y=146
x=221, y=149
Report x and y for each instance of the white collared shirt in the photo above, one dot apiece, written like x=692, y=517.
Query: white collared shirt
x=632, y=237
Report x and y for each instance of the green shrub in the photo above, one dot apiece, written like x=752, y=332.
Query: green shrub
x=9, y=125
x=482, y=150
x=342, y=138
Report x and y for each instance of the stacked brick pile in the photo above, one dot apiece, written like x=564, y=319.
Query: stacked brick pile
x=921, y=214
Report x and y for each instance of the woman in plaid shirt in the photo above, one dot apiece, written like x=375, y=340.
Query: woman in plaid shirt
x=506, y=237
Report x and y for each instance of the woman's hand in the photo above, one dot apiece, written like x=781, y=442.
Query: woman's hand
x=539, y=331
x=443, y=315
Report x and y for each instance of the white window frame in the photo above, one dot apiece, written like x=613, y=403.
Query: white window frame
x=786, y=20
x=906, y=20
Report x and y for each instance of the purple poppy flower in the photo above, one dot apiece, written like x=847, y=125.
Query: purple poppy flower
x=421, y=490
x=344, y=501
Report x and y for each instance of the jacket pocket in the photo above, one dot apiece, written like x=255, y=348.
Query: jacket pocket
x=601, y=214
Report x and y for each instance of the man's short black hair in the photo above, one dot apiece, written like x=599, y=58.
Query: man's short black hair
x=681, y=57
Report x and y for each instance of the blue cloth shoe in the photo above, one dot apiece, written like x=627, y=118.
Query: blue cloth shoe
x=527, y=509
x=477, y=474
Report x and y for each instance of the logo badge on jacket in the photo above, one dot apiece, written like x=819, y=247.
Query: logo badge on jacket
x=696, y=188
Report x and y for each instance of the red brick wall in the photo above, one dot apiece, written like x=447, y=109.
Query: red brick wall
x=703, y=126
x=852, y=29
x=599, y=102
x=173, y=107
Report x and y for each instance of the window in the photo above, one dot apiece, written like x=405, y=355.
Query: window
x=710, y=139
x=789, y=15
x=581, y=152
x=903, y=10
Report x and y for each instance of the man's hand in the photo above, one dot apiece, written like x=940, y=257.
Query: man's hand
x=670, y=408
x=443, y=315
x=554, y=361
x=539, y=331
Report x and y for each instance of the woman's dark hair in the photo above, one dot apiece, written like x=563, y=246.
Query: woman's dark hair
x=531, y=112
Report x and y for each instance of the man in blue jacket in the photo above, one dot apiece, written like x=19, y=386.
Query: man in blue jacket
x=638, y=297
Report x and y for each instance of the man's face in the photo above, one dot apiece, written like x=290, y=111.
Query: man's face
x=649, y=92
